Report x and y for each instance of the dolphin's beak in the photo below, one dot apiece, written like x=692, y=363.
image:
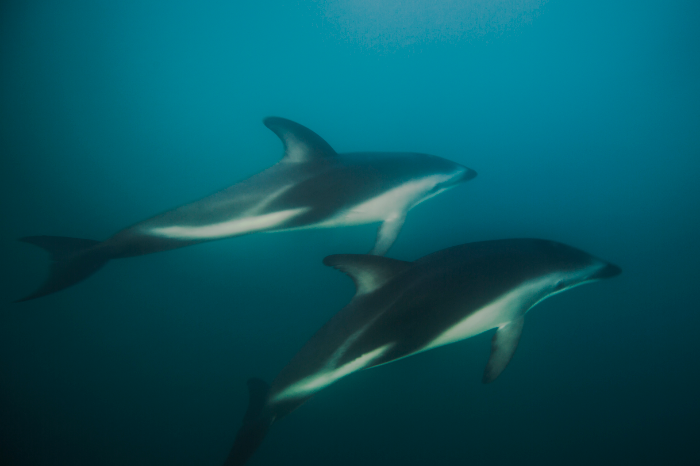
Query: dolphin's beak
x=468, y=174
x=608, y=271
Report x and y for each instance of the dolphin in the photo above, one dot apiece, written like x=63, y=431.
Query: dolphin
x=404, y=308
x=312, y=186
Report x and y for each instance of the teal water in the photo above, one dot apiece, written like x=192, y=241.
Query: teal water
x=581, y=119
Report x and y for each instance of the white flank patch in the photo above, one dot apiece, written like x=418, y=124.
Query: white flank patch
x=512, y=305
x=238, y=226
x=391, y=203
x=496, y=314
x=398, y=199
x=316, y=382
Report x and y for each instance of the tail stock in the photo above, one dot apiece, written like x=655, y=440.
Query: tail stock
x=73, y=260
x=256, y=422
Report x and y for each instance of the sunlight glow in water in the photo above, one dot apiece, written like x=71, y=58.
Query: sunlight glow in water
x=399, y=23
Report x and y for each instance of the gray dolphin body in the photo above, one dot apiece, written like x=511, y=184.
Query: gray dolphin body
x=403, y=308
x=311, y=187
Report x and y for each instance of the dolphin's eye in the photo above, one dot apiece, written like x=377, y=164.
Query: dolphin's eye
x=559, y=286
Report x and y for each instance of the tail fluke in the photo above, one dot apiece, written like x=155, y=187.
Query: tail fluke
x=255, y=424
x=73, y=259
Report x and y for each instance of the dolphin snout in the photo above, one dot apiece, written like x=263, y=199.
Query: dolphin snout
x=609, y=271
x=468, y=174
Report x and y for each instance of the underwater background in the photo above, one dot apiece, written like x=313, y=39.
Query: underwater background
x=582, y=119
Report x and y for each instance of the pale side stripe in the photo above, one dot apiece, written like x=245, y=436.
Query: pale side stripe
x=230, y=228
x=316, y=382
x=266, y=201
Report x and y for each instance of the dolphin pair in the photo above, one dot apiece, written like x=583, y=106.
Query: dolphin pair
x=311, y=187
x=404, y=308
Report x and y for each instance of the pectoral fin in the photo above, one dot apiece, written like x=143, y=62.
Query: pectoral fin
x=387, y=233
x=503, y=345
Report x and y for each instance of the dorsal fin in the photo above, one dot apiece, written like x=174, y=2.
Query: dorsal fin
x=300, y=143
x=368, y=272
